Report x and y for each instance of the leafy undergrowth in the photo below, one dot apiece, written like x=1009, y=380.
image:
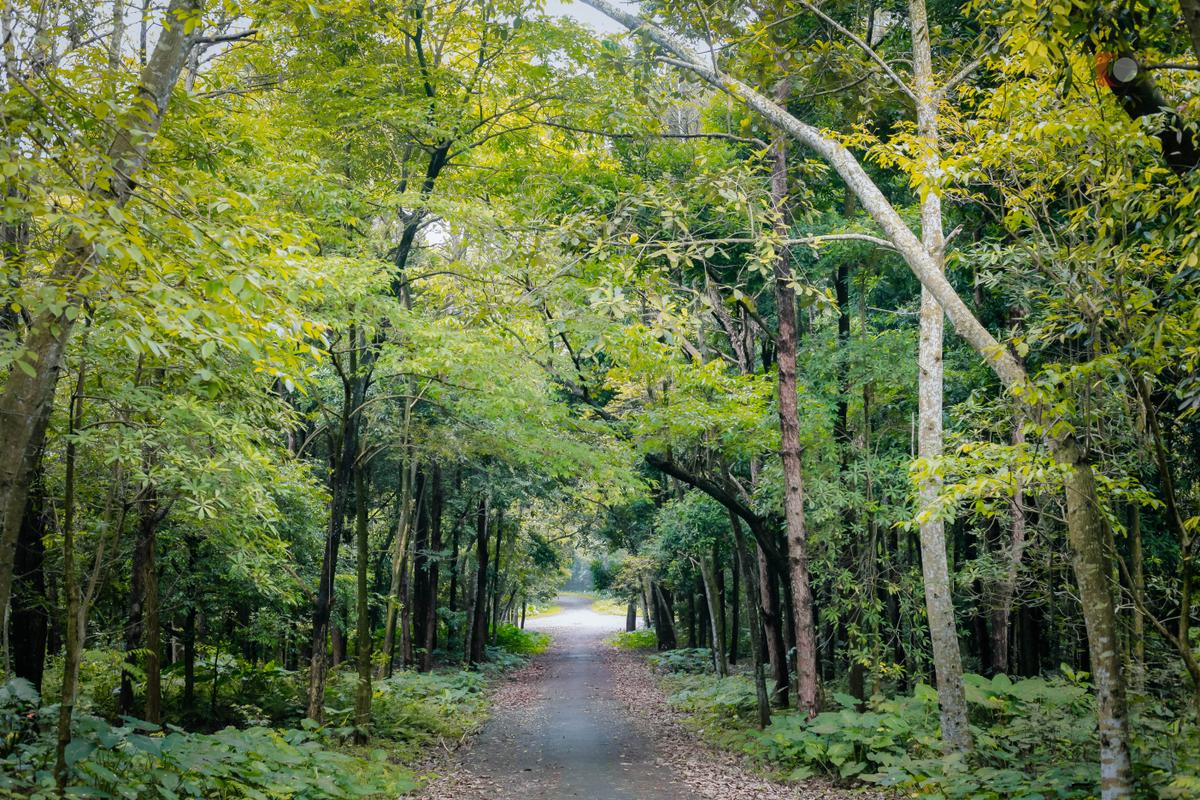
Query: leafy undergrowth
x=1035, y=739
x=521, y=642
x=636, y=640
x=272, y=755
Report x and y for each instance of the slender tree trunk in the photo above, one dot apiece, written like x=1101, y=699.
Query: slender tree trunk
x=362, y=637
x=1086, y=528
x=1138, y=588
x=631, y=615
x=475, y=649
x=1191, y=17
x=495, y=576
x=1003, y=603
x=76, y=611
x=707, y=574
x=758, y=638
x=664, y=618
x=26, y=399
x=792, y=454
x=30, y=612
x=400, y=548
x=344, y=452
x=435, y=546
x=773, y=630
x=735, y=611
x=151, y=517
x=947, y=660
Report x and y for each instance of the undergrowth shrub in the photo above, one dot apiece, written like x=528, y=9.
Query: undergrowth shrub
x=693, y=661
x=137, y=761
x=410, y=708
x=521, y=642
x=1035, y=739
x=644, y=639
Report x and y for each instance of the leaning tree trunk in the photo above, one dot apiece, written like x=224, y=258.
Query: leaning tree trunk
x=27, y=396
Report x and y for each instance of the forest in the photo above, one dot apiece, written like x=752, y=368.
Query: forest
x=848, y=350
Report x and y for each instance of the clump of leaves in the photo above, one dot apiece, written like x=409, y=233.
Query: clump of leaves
x=644, y=639
x=693, y=661
x=521, y=642
x=138, y=761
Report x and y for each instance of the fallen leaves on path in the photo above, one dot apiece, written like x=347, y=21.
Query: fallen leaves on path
x=711, y=773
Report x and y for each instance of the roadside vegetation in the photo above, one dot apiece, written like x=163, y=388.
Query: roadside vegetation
x=856, y=342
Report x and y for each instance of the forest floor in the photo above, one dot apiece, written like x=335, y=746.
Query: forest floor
x=586, y=720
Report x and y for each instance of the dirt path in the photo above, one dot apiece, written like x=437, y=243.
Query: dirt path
x=558, y=729
x=586, y=721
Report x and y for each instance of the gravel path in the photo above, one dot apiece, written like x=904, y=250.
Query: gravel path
x=584, y=720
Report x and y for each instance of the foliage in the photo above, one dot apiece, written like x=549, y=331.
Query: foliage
x=136, y=760
x=694, y=660
x=521, y=642
x=644, y=639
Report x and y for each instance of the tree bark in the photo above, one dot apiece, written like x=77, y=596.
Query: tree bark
x=29, y=615
x=362, y=637
x=758, y=639
x=403, y=513
x=707, y=574
x=475, y=644
x=808, y=699
x=435, y=546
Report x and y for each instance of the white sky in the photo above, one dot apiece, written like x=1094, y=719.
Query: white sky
x=582, y=13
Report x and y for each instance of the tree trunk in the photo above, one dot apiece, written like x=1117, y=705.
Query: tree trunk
x=343, y=455
x=758, y=638
x=735, y=611
x=475, y=647
x=495, y=576
x=151, y=517
x=772, y=621
x=631, y=615
x=1138, y=588
x=808, y=698
x=26, y=399
x=29, y=616
x=1191, y=17
x=362, y=637
x=435, y=546
x=1086, y=528
x=664, y=618
x=400, y=548
x=420, y=573
x=76, y=610
x=714, y=602
x=947, y=660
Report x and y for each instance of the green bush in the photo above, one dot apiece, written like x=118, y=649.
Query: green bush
x=410, y=707
x=645, y=639
x=137, y=761
x=693, y=661
x=521, y=642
